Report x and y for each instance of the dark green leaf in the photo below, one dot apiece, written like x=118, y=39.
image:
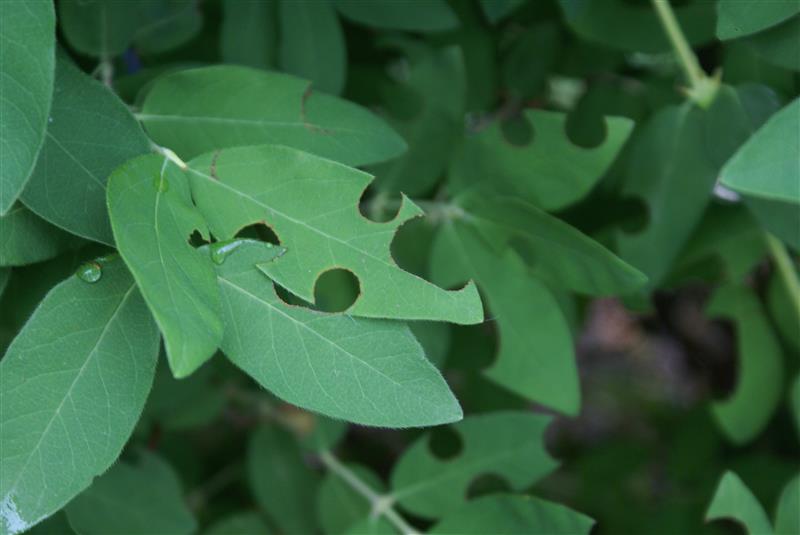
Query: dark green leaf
x=409, y=15
x=133, y=499
x=249, y=33
x=90, y=133
x=25, y=238
x=27, y=64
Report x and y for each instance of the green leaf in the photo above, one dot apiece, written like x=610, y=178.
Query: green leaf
x=339, y=506
x=628, y=26
x=178, y=405
x=779, y=45
x=312, y=44
x=367, y=371
x=282, y=483
x=536, y=357
x=496, y=10
x=782, y=219
x=245, y=523
x=152, y=217
x=248, y=34
x=734, y=500
x=5, y=275
x=760, y=371
x=27, y=63
x=737, y=18
x=553, y=249
x=787, y=515
x=89, y=134
x=408, y=15
x=199, y=110
x=311, y=204
x=106, y=28
x=25, y=238
x=766, y=165
x=794, y=402
x=548, y=171
x=135, y=499
x=72, y=386
x=513, y=515
x=505, y=444
x=438, y=80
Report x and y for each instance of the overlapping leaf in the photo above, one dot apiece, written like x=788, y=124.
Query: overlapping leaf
x=72, y=386
x=311, y=204
x=27, y=63
x=549, y=171
x=89, y=134
x=733, y=500
x=152, y=217
x=366, y=371
x=199, y=110
x=513, y=515
x=133, y=498
x=505, y=444
x=26, y=238
x=417, y=15
x=737, y=18
x=760, y=371
x=536, y=357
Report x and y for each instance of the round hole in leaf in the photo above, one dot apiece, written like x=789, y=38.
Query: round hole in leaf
x=336, y=290
x=445, y=443
x=259, y=231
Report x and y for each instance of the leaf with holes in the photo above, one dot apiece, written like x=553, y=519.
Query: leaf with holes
x=72, y=386
x=505, y=444
x=198, y=110
x=536, y=358
x=152, y=217
x=545, y=168
x=367, y=371
x=312, y=205
x=734, y=500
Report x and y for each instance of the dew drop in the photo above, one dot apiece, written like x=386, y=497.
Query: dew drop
x=49, y=119
x=223, y=249
x=161, y=183
x=90, y=272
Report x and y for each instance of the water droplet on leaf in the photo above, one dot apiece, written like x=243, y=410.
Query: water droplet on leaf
x=161, y=183
x=90, y=272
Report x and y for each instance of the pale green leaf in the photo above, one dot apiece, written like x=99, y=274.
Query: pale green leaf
x=72, y=386
x=249, y=33
x=553, y=249
x=409, y=15
x=549, y=170
x=513, y=515
x=536, y=356
x=27, y=64
x=139, y=498
x=199, y=110
x=245, y=523
x=733, y=500
x=746, y=412
x=367, y=371
x=283, y=484
x=506, y=444
x=767, y=164
x=737, y=18
x=152, y=217
x=312, y=43
x=787, y=514
x=311, y=204
x=89, y=134
x=25, y=238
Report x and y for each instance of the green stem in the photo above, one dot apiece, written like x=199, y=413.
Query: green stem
x=702, y=88
x=381, y=505
x=786, y=269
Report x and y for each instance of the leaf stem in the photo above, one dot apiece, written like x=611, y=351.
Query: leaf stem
x=169, y=155
x=381, y=504
x=785, y=266
x=702, y=88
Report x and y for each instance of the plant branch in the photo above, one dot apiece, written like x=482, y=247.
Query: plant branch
x=786, y=270
x=381, y=505
x=702, y=88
